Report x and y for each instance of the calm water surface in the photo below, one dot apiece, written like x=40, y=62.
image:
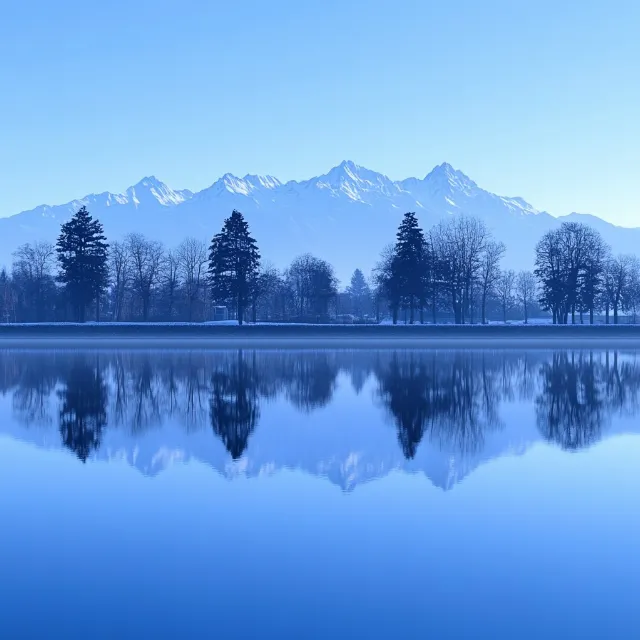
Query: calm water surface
x=320, y=494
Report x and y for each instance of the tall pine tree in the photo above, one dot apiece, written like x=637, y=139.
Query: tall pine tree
x=234, y=261
x=82, y=255
x=410, y=263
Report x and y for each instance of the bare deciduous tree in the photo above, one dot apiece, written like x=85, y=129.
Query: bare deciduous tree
x=192, y=257
x=32, y=274
x=525, y=291
x=489, y=272
x=146, y=262
x=120, y=270
x=505, y=291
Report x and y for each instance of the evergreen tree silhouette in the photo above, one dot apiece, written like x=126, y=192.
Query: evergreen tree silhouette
x=405, y=389
x=234, y=261
x=83, y=412
x=410, y=262
x=234, y=410
x=82, y=256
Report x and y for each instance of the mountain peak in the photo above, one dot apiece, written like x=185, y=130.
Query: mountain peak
x=347, y=169
x=445, y=176
x=354, y=181
x=151, y=189
x=149, y=182
x=349, y=164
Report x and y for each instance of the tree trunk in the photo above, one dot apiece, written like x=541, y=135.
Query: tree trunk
x=615, y=314
x=526, y=315
x=606, y=313
x=484, y=307
x=411, y=309
x=145, y=307
x=591, y=315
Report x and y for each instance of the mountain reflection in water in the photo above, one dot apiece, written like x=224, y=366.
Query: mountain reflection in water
x=449, y=402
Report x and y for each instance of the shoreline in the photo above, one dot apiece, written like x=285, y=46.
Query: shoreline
x=261, y=336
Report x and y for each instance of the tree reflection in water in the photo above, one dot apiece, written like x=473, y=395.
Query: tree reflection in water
x=579, y=393
x=234, y=403
x=83, y=406
x=445, y=399
x=452, y=396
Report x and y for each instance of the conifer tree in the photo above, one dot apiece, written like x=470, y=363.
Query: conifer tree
x=234, y=261
x=360, y=293
x=410, y=262
x=82, y=255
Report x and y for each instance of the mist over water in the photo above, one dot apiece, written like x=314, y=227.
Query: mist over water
x=329, y=493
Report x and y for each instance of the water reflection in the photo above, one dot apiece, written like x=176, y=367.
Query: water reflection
x=83, y=406
x=453, y=397
x=234, y=407
x=579, y=394
x=448, y=401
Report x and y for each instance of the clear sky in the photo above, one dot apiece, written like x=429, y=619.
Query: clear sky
x=537, y=99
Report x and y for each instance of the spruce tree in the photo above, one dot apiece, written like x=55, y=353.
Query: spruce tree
x=360, y=293
x=234, y=261
x=82, y=255
x=410, y=262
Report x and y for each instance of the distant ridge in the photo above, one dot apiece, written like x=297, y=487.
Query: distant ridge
x=346, y=215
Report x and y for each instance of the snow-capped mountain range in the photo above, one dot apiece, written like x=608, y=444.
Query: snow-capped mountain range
x=345, y=216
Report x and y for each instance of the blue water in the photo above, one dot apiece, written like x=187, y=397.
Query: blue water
x=318, y=494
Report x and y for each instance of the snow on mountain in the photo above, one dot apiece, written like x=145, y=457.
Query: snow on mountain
x=345, y=216
x=151, y=192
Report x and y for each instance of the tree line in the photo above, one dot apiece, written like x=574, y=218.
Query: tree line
x=452, y=272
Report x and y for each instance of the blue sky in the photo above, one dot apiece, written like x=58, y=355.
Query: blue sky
x=537, y=99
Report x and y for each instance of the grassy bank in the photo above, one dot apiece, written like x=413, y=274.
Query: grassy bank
x=314, y=335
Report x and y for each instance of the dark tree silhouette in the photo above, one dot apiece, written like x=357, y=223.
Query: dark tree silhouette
x=83, y=413
x=570, y=406
x=570, y=265
x=33, y=280
x=312, y=380
x=233, y=408
x=406, y=389
x=453, y=397
x=82, y=255
x=312, y=286
x=234, y=261
x=410, y=264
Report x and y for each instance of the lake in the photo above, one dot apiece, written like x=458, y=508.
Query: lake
x=320, y=494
